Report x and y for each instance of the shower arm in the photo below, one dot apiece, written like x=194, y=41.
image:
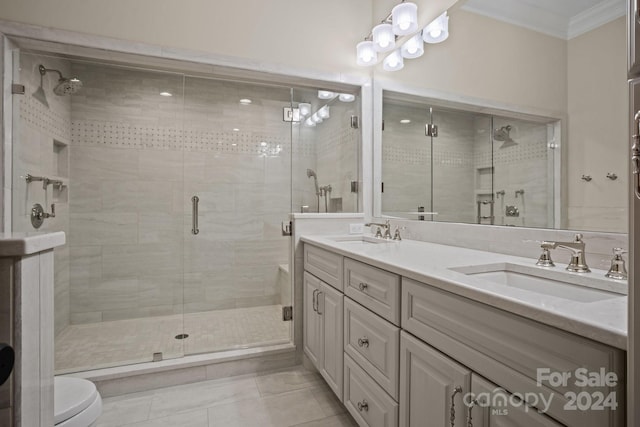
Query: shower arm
x=43, y=70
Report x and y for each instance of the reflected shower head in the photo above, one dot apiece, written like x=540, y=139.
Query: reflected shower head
x=65, y=86
x=502, y=134
x=312, y=174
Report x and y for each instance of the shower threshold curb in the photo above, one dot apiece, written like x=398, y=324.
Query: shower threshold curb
x=118, y=372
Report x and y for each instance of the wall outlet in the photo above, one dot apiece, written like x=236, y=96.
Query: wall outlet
x=356, y=228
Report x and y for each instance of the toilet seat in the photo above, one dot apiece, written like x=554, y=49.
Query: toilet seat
x=77, y=402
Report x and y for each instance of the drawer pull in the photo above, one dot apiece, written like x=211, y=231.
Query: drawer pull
x=452, y=418
x=363, y=406
x=469, y=420
x=318, y=303
x=315, y=300
x=362, y=286
x=363, y=342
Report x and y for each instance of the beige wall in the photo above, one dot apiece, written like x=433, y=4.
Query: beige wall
x=597, y=107
x=491, y=60
x=317, y=35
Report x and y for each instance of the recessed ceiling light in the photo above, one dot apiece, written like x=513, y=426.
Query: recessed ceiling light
x=234, y=144
x=263, y=144
x=245, y=101
x=405, y=121
x=166, y=94
x=236, y=130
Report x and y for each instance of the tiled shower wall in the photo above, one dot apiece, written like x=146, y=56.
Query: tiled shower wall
x=462, y=163
x=42, y=150
x=137, y=160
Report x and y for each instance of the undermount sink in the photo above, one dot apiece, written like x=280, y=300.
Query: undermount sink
x=359, y=240
x=545, y=282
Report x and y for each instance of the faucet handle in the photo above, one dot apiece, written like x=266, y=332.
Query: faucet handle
x=578, y=238
x=618, y=269
x=545, y=258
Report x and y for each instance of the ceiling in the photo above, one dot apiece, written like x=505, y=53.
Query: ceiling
x=559, y=18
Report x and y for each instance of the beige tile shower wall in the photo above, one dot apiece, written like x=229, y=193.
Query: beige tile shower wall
x=41, y=149
x=337, y=152
x=130, y=234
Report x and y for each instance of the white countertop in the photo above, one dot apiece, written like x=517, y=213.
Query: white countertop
x=18, y=244
x=604, y=321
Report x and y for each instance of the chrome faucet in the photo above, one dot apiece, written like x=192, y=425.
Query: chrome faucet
x=386, y=226
x=578, y=262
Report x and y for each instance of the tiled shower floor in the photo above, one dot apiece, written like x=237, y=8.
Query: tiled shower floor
x=121, y=342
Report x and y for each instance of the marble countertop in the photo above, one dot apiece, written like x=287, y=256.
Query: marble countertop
x=18, y=244
x=604, y=320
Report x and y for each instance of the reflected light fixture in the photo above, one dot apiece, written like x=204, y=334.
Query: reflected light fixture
x=405, y=121
x=305, y=109
x=383, y=37
x=404, y=17
x=346, y=97
x=165, y=94
x=323, y=113
x=393, y=62
x=438, y=30
x=413, y=48
x=325, y=94
x=245, y=101
x=309, y=122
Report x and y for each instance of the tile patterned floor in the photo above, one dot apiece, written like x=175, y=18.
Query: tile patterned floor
x=122, y=342
x=292, y=397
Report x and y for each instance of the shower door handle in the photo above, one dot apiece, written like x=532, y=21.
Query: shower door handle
x=194, y=214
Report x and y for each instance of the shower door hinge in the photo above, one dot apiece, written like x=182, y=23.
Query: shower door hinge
x=431, y=130
x=355, y=122
x=354, y=186
x=287, y=313
x=286, y=228
x=17, y=89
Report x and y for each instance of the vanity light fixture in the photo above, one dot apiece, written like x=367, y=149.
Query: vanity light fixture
x=309, y=122
x=324, y=112
x=346, y=97
x=393, y=62
x=402, y=21
x=413, y=48
x=325, y=94
x=166, y=94
x=305, y=109
x=438, y=30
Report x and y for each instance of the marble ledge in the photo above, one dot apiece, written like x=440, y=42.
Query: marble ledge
x=315, y=215
x=604, y=321
x=19, y=244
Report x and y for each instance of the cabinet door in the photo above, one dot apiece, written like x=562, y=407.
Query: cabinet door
x=330, y=307
x=497, y=408
x=312, y=332
x=428, y=380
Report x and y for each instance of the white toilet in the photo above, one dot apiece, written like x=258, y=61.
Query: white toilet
x=77, y=402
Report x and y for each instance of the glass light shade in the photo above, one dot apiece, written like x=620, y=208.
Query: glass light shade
x=405, y=18
x=304, y=108
x=413, y=48
x=309, y=122
x=384, y=39
x=325, y=94
x=437, y=31
x=393, y=62
x=366, y=53
x=315, y=118
x=324, y=112
x=347, y=97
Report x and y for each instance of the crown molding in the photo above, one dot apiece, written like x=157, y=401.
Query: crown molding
x=592, y=18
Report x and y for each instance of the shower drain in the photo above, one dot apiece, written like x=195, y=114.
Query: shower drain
x=181, y=336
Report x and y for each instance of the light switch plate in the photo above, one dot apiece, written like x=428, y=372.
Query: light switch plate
x=356, y=228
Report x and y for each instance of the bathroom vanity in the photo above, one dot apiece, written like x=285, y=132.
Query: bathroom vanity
x=413, y=333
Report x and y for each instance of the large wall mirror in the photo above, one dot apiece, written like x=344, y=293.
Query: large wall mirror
x=529, y=104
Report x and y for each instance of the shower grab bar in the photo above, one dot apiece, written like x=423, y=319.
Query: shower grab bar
x=194, y=214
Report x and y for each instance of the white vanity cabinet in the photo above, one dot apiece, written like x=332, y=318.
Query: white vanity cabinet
x=323, y=330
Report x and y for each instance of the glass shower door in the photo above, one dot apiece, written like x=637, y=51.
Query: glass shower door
x=238, y=166
x=108, y=162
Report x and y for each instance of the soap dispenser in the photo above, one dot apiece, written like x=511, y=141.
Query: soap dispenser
x=618, y=269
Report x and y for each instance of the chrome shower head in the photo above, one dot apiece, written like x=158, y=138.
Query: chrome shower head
x=65, y=86
x=502, y=135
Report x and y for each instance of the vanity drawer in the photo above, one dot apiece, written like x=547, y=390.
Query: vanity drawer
x=323, y=264
x=509, y=349
x=374, y=343
x=365, y=400
x=376, y=289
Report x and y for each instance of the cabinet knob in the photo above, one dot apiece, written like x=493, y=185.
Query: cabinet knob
x=362, y=286
x=363, y=406
x=363, y=342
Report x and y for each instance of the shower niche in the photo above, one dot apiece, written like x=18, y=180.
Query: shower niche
x=480, y=168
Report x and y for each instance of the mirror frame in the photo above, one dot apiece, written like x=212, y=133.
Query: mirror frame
x=469, y=104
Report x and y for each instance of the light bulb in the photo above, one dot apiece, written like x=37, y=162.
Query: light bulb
x=435, y=33
x=304, y=108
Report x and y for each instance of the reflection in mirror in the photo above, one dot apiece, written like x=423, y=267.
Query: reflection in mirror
x=444, y=164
